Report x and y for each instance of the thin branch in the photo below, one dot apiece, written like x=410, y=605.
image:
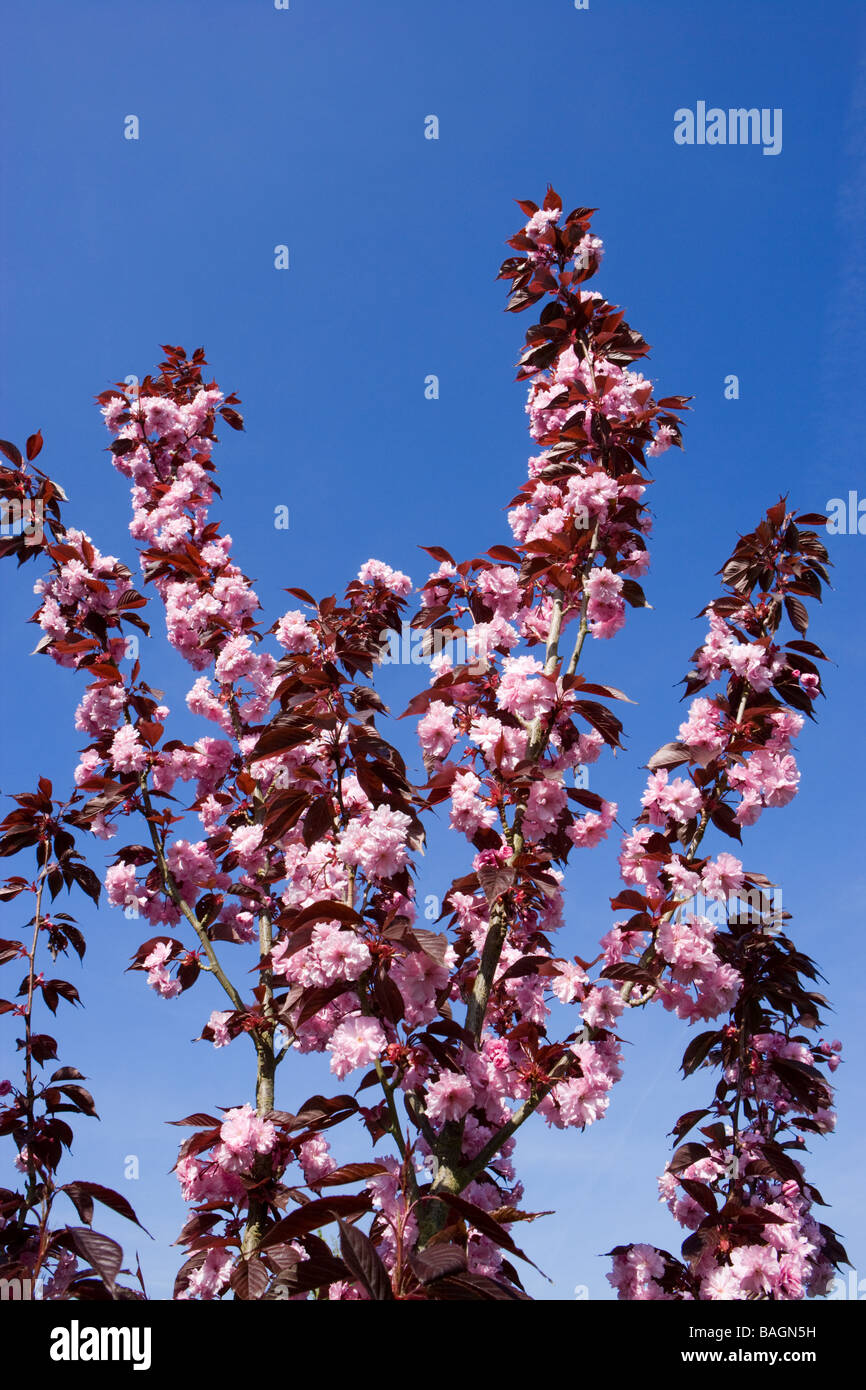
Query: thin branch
x=180, y=902
x=518, y=1118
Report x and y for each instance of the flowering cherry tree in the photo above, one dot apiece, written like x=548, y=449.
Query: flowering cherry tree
x=285, y=837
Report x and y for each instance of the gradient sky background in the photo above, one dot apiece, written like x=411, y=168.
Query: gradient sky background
x=306, y=128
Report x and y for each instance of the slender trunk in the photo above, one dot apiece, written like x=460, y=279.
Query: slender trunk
x=265, y=1073
x=258, y=1213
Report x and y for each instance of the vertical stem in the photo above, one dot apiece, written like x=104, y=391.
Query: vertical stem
x=498, y=929
x=28, y=1057
x=492, y=950
x=32, y=1186
x=265, y=1072
x=583, y=627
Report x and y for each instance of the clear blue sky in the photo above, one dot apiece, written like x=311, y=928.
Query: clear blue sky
x=306, y=128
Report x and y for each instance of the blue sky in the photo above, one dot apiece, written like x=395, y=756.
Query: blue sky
x=305, y=128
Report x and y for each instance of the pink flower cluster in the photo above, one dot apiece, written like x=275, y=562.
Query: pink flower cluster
x=242, y=1135
x=158, y=977
x=84, y=582
x=333, y=954
x=605, y=607
x=210, y=606
x=376, y=842
x=636, y=1272
x=376, y=572
x=789, y=1261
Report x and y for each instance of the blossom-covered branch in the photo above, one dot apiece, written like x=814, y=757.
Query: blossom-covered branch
x=715, y=944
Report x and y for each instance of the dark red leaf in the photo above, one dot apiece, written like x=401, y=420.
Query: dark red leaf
x=362, y=1259
x=101, y=1252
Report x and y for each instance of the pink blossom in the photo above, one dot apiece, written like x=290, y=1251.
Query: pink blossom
x=756, y=1267
x=486, y=732
x=436, y=730
x=754, y=662
x=589, y=830
x=243, y=1134
x=635, y=867
x=294, y=633
x=540, y=221
x=687, y=945
x=340, y=955
x=664, y=438
x=547, y=800
x=524, y=689
x=100, y=709
x=235, y=661
x=112, y=411
x=765, y=779
x=89, y=762
x=569, y=982
x=703, y=731
x=449, y=1098
x=245, y=841
x=722, y=1284
x=156, y=965
x=637, y=561
x=376, y=842
x=315, y=1158
x=217, y=1024
x=722, y=876
x=602, y=1007
x=589, y=252
x=500, y=588
x=201, y=700
x=377, y=572
x=207, y=1182
x=65, y=1271
x=212, y=1276
x=102, y=829
x=128, y=753
x=159, y=979
x=619, y=943
x=684, y=882
x=605, y=607
x=419, y=979
x=121, y=885
x=356, y=1042
x=193, y=866
x=636, y=1273
x=680, y=799
x=468, y=811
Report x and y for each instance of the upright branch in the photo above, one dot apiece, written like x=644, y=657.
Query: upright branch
x=509, y=737
x=47, y=1258
x=711, y=941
